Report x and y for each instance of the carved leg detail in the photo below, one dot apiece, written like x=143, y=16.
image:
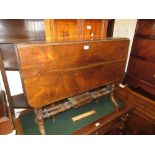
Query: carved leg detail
x=113, y=97
x=40, y=120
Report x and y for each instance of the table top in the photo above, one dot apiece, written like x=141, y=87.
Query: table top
x=51, y=73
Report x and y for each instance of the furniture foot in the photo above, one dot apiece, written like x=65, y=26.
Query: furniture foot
x=40, y=120
x=113, y=97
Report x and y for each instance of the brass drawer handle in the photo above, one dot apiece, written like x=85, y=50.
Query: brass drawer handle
x=124, y=118
x=154, y=75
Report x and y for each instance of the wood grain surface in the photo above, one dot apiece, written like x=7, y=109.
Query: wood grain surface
x=54, y=71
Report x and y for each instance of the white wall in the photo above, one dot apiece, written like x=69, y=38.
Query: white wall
x=122, y=28
x=125, y=28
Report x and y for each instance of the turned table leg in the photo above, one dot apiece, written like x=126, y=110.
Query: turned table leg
x=40, y=120
x=113, y=97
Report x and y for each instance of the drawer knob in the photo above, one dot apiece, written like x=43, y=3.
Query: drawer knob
x=154, y=75
x=124, y=118
x=121, y=126
x=127, y=115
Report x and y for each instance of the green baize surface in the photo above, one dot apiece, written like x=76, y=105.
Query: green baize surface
x=63, y=124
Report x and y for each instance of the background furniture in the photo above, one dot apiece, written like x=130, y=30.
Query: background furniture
x=75, y=29
x=12, y=31
x=140, y=78
x=141, y=67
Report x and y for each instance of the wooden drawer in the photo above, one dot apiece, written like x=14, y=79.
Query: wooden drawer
x=146, y=27
x=144, y=48
x=119, y=129
x=142, y=69
x=117, y=126
x=104, y=129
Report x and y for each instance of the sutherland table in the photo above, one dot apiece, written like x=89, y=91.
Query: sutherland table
x=52, y=72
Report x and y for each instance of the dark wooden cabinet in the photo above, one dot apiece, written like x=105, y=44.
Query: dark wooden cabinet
x=144, y=48
x=140, y=77
x=146, y=27
x=141, y=68
x=12, y=30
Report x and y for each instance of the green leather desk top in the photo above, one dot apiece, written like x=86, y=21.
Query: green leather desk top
x=63, y=124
